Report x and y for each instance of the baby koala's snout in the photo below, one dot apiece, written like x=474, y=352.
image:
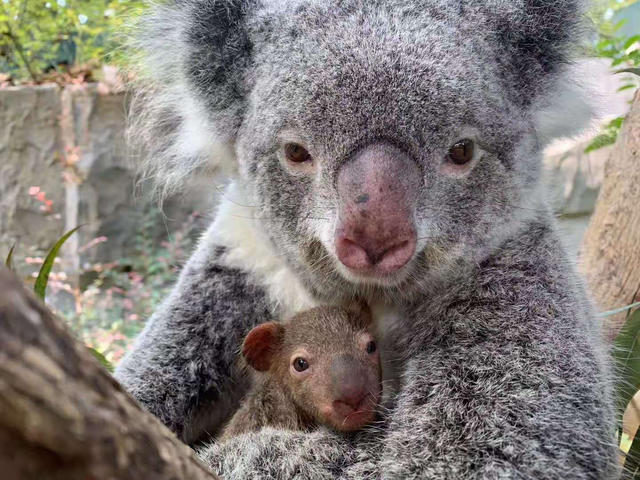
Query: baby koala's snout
x=377, y=191
x=355, y=387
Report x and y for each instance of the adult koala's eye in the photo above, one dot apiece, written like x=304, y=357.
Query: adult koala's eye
x=461, y=152
x=296, y=153
x=300, y=364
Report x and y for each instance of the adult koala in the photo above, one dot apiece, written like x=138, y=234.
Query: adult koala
x=388, y=149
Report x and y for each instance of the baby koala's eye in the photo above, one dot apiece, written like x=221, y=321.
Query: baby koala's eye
x=296, y=153
x=371, y=347
x=461, y=152
x=300, y=364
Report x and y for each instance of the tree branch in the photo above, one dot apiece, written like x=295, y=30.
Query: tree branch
x=62, y=416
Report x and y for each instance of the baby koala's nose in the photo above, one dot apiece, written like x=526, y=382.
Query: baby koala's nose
x=350, y=385
x=350, y=403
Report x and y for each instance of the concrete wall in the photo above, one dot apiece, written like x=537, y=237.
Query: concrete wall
x=70, y=143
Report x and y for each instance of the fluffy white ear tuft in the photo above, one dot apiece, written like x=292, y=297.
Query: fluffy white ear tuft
x=572, y=107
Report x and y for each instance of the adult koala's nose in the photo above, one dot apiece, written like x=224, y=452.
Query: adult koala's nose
x=377, y=191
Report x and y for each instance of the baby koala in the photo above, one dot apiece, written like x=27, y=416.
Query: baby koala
x=321, y=367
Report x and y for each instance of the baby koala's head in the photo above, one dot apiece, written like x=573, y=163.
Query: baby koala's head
x=327, y=359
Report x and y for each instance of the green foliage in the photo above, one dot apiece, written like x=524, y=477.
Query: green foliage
x=9, y=261
x=624, y=54
x=626, y=357
x=43, y=276
x=114, y=299
x=102, y=359
x=37, y=36
x=43, y=279
x=608, y=136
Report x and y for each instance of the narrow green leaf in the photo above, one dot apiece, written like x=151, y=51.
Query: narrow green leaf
x=600, y=141
x=626, y=356
x=629, y=86
x=618, y=61
x=620, y=24
x=630, y=41
x=43, y=276
x=634, y=70
x=616, y=123
x=9, y=261
x=632, y=459
x=102, y=359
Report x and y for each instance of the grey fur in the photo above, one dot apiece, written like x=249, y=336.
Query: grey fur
x=504, y=374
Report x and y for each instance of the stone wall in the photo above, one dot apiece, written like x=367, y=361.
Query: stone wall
x=69, y=142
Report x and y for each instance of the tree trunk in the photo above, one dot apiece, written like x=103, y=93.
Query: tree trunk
x=610, y=256
x=62, y=416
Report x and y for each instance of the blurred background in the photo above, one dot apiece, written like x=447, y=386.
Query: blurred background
x=64, y=161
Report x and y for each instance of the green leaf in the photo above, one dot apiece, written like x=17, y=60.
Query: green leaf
x=600, y=141
x=102, y=359
x=9, y=261
x=43, y=276
x=626, y=87
x=626, y=356
x=632, y=458
x=618, y=61
x=630, y=41
x=616, y=123
x=634, y=70
x=620, y=24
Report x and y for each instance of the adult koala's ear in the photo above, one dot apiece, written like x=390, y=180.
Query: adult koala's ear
x=193, y=57
x=540, y=38
x=219, y=51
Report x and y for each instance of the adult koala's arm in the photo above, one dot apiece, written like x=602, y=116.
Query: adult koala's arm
x=505, y=377
x=181, y=367
x=509, y=379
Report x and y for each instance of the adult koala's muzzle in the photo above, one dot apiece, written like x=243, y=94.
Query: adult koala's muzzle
x=377, y=191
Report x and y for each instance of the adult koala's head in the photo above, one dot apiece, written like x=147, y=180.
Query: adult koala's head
x=383, y=141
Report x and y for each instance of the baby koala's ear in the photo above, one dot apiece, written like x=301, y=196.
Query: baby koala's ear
x=361, y=308
x=260, y=344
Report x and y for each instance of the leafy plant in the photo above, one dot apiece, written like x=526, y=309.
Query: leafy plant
x=622, y=50
x=43, y=279
x=39, y=36
x=9, y=261
x=607, y=137
x=43, y=275
x=626, y=356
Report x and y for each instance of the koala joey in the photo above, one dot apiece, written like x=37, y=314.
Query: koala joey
x=321, y=367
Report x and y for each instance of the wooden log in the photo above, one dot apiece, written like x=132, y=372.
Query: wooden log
x=62, y=416
x=610, y=254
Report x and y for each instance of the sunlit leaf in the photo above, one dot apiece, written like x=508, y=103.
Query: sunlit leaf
x=634, y=70
x=626, y=355
x=632, y=459
x=102, y=359
x=630, y=41
x=600, y=141
x=9, y=261
x=43, y=276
